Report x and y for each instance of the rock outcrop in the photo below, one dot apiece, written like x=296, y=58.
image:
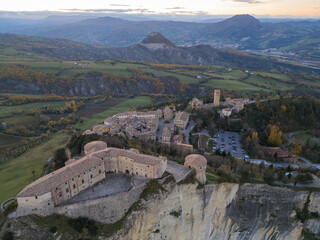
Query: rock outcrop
x=216, y=211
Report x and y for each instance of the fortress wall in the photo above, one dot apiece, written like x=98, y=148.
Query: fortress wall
x=41, y=205
x=106, y=210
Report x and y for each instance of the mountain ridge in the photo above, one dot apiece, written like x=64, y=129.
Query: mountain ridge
x=195, y=55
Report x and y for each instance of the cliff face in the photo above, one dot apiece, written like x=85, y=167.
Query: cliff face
x=224, y=211
x=219, y=211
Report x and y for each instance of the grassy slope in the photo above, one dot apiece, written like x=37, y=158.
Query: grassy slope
x=17, y=173
x=10, y=141
x=7, y=111
x=303, y=137
x=121, y=107
x=233, y=85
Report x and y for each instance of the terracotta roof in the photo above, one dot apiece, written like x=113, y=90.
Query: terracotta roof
x=272, y=150
x=177, y=138
x=136, y=157
x=50, y=181
x=94, y=146
x=196, y=159
x=183, y=116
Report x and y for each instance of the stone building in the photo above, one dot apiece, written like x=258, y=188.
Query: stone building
x=57, y=187
x=53, y=189
x=226, y=112
x=181, y=120
x=237, y=103
x=94, y=146
x=216, y=97
x=196, y=103
x=167, y=113
x=199, y=163
x=132, y=162
x=279, y=155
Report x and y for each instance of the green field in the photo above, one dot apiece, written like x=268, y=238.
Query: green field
x=10, y=141
x=22, y=120
x=232, y=75
x=8, y=111
x=217, y=76
x=17, y=173
x=121, y=107
x=281, y=76
x=302, y=138
x=270, y=83
x=234, y=85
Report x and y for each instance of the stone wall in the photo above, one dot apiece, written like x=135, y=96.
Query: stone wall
x=106, y=210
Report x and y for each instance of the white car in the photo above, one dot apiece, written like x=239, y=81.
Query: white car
x=246, y=156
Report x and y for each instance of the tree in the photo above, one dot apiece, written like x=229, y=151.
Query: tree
x=275, y=136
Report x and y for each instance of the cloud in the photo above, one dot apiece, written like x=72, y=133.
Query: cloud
x=119, y=5
x=175, y=8
x=247, y=1
x=110, y=10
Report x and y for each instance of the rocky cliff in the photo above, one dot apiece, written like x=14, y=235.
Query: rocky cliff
x=224, y=211
x=215, y=211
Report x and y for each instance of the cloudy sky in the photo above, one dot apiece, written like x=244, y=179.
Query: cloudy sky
x=213, y=7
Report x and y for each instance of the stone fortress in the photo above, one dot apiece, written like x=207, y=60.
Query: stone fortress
x=74, y=190
x=77, y=175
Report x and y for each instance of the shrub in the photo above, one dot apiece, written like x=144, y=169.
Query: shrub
x=82, y=223
x=8, y=236
x=174, y=213
x=53, y=229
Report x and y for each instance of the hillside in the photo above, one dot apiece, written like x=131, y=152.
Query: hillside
x=154, y=48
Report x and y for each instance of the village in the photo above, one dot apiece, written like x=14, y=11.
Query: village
x=103, y=173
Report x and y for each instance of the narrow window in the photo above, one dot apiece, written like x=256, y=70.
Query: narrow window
x=82, y=181
x=74, y=186
x=91, y=176
x=67, y=190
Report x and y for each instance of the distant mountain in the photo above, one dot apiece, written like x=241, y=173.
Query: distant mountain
x=157, y=38
x=153, y=48
x=236, y=27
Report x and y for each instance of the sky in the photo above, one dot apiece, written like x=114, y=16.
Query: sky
x=304, y=8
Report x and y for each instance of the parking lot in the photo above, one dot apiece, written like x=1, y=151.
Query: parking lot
x=229, y=142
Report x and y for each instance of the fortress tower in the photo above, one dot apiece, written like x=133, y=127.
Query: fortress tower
x=216, y=99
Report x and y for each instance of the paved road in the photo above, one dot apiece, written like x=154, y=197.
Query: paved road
x=190, y=126
x=160, y=129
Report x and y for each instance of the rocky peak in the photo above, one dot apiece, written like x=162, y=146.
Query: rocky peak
x=157, y=38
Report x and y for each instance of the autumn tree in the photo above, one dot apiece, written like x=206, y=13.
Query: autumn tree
x=274, y=136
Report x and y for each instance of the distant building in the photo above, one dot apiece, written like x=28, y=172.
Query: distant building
x=167, y=133
x=237, y=103
x=279, y=155
x=226, y=112
x=181, y=120
x=177, y=139
x=196, y=103
x=216, y=98
x=167, y=113
x=184, y=146
x=199, y=163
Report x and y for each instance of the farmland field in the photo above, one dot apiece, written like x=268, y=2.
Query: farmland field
x=22, y=120
x=269, y=83
x=16, y=173
x=234, y=85
x=7, y=111
x=302, y=138
x=7, y=142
